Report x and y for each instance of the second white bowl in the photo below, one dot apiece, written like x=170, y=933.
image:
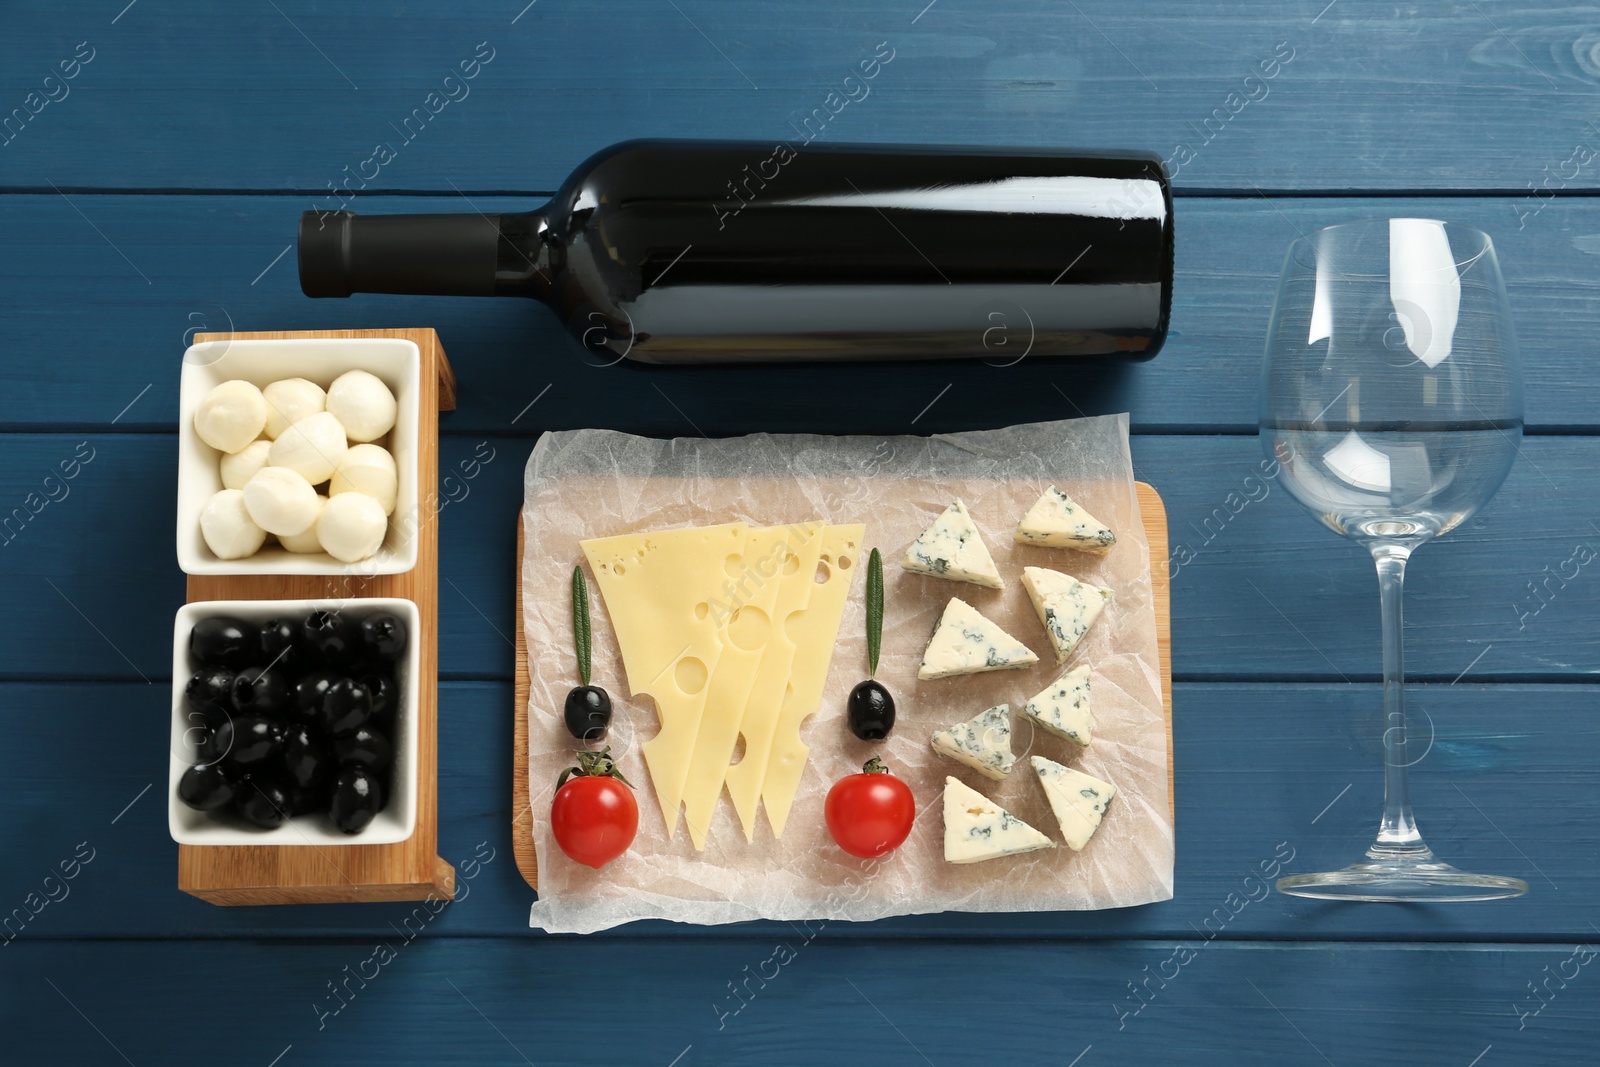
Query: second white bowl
x=395, y=822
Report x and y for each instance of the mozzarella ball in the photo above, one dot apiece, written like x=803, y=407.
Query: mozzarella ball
x=351, y=527
x=291, y=400
x=367, y=469
x=239, y=467
x=312, y=447
x=280, y=501
x=231, y=416
x=304, y=542
x=363, y=403
x=227, y=527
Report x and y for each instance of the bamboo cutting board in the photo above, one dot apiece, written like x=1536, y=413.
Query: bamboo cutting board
x=1152, y=511
x=406, y=870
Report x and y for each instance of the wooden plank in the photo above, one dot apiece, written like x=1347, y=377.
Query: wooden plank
x=1155, y=528
x=503, y=1001
x=1468, y=592
x=205, y=258
x=342, y=874
x=1164, y=74
x=1289, y=750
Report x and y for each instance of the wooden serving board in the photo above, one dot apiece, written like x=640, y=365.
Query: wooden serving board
x=406, y=870
x=1151, y=509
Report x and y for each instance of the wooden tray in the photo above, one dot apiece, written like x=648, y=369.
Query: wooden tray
x=406, y=870
x=1151, y=509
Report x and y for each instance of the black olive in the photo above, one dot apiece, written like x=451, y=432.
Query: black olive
x=213, y=741
x=259, y=691
x=280, y=647
x=263, y=802
x=208, y=692
x=871, y=711
x=357, y=798
x=345, y=706
x=588, y=712
x=385, y=694
x=255, y=740
x=329, y=638
x=384, y=635
x=223, y=641
x=309, y=691
x=308, y=760
x=365, y=746
x=206, y=786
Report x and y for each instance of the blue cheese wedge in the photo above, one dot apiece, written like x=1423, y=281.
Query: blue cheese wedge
x=982, y=742
x=952, y=548
x=1056, y=521
x=976, y=828
x=1063, y=708
x=1066, y=606
x=965, y=642
x=1079, y=800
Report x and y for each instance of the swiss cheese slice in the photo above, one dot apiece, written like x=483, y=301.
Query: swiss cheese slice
x=814, y=631
x=656, y=588
x=760, y=719
x=744, y=613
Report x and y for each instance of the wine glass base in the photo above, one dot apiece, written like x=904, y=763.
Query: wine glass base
x=1402, y=881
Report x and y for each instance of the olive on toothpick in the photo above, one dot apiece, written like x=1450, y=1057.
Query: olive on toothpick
x=871, y=707
x=588, y=707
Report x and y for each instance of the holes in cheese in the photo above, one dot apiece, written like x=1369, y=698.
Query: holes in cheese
x=650, y=584
x=753, y=582
x=735, y=647
x=748, y=628
x=690, y=675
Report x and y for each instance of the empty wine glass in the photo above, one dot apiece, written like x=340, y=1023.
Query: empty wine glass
x=1392, y=398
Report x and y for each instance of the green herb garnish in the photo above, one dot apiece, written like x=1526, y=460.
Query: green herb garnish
x=580, y=621
x=874, y=610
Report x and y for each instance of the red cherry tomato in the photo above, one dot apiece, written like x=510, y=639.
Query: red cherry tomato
x=870, y=814
x=594, y=816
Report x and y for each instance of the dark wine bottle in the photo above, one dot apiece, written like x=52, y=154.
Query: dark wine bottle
x=700, y=251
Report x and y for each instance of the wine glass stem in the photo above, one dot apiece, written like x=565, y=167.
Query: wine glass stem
x=1397, y=834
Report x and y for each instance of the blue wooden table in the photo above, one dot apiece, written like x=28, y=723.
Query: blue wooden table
x=154, y=159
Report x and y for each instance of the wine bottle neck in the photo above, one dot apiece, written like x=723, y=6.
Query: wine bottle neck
x=422, y=255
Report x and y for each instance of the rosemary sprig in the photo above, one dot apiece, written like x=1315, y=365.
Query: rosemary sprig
x=580, y=621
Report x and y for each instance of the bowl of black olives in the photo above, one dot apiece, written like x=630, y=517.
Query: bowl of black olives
x=294, y=722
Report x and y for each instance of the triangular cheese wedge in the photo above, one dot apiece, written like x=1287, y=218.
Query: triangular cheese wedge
x=1056, y=521
x=965, y=642
x=952, y=548
x=1063, y=708
x=976, y=828
x=1079, y=800
x=815, y=632
x=759, y=724
x=982, y=742
x=1066, y=606
x=651, y=584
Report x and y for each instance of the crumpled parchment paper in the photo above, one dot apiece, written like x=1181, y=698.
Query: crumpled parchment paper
x=592, y=483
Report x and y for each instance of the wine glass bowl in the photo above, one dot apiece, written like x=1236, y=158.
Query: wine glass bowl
x=1392, y=399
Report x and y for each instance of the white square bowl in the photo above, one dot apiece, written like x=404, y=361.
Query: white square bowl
x=319, y=359
x=395, y=822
